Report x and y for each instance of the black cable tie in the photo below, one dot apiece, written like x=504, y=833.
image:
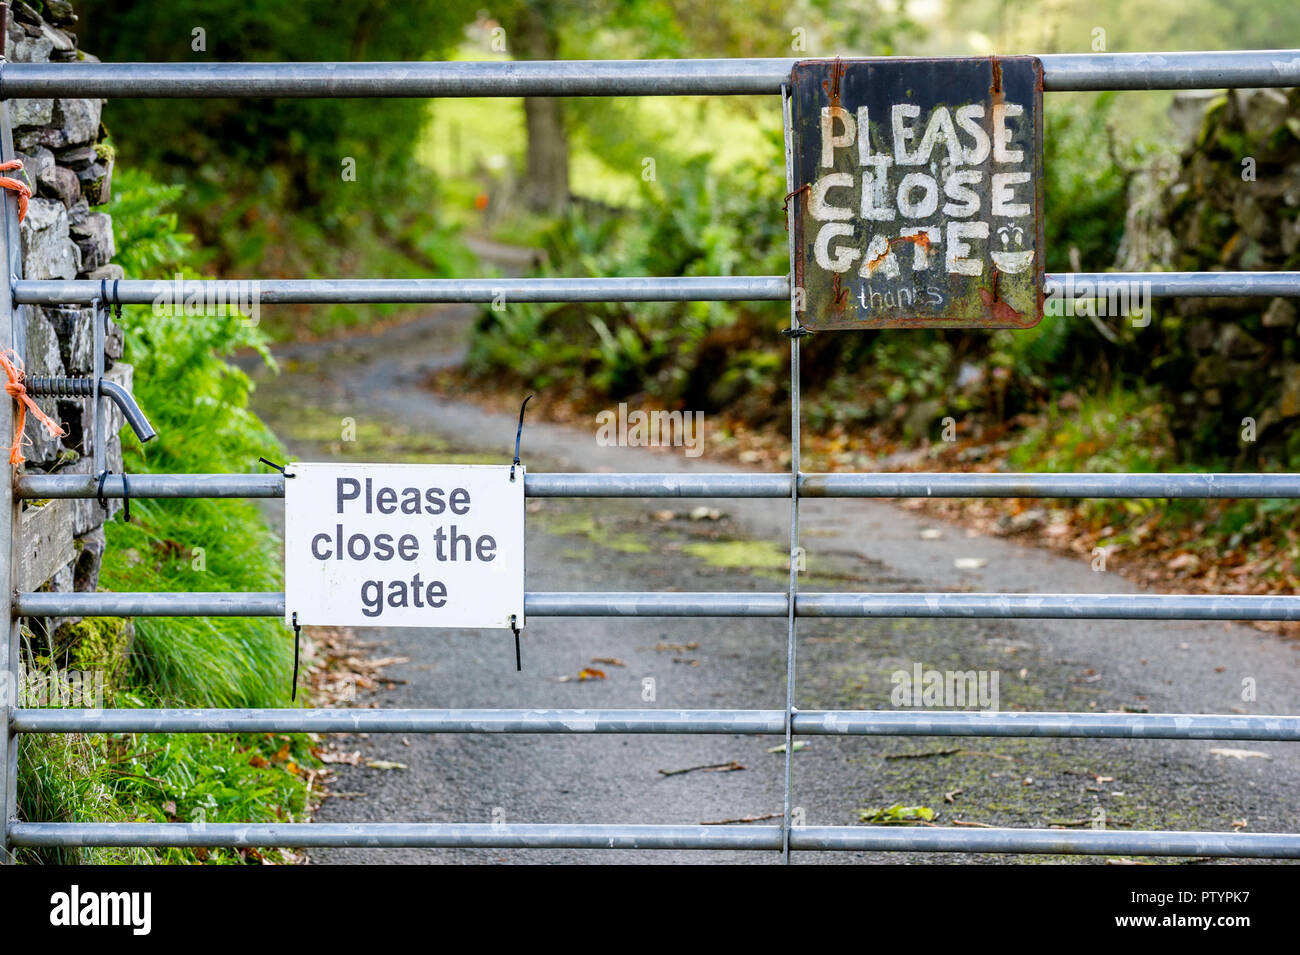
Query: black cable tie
x=272, y=464
x=297, y=633
x=126, y=494
x=519, y=433
x=800, y=331
x=519, y=665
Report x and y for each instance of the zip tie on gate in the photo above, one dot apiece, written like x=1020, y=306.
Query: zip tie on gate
x=298, y=633
x=802, y=331
x=126, y=494
x=16, y=185
x=519, y=433
x=298, y=630
x=13, y=367
x=514, y=620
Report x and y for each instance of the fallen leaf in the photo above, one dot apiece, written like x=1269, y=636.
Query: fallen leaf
x=347, y=759
x=1239, y=753
x=384, y=764
x=590, y=673
x=609, y=661
x=799, y=744
x=969, y=563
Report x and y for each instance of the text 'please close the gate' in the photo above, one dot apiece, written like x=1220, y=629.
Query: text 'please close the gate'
x=395, y=545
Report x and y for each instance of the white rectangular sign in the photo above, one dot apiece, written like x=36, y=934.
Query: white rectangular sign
x=404, y=545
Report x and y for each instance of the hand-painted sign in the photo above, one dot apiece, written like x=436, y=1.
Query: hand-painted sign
x=404, y=545
x=919, y=192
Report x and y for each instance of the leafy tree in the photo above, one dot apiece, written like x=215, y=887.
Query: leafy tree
x=306, y=139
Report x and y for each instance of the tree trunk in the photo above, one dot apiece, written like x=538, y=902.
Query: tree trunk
x=547, y=186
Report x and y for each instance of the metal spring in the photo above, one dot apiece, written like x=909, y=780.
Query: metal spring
x=45, y=387
x=42, y=387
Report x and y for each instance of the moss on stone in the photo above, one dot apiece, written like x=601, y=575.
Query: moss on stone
x=95, y=643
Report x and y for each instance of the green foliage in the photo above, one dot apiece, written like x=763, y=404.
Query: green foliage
x=700, y=223
x=1086, y=170
x=199, y=405
x=306, y=137
x=896, y=814
x=147, y=234
x=300, y=187
x=1120, y=430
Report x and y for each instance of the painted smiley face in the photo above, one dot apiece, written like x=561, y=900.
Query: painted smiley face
x=1010, y=258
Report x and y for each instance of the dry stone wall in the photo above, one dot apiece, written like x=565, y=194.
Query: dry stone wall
x=69, y=166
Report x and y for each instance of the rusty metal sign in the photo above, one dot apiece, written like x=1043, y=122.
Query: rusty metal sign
x=918, y=192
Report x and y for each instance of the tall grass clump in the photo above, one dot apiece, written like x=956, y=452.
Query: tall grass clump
x=199, y=405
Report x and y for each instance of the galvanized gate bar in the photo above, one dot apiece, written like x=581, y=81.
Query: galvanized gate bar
x=719, y=288
x=40, y=487
x=702, y=77
x=737, y=604
x=706, y=288
x=1081, y=285
x=177, y=604
x=727, y=485
x=1259, y=845
x=671, y=722
x=1255, y=845
x=1065, y=485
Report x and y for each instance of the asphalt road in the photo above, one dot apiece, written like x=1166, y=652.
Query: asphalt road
x=852, y=545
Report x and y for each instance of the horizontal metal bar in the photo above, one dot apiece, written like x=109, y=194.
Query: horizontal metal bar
x=1201, y=70
x=913, y=484
x=1029, y=724
x=41, y=487
x=559, y=836
x=1051, y=606
x=1070, y=485
x=1258, y=845
x=644, y=721
x=393, y=835
x=739, y=604
x=213, y=293
x=655, y=721
x=704, y=77
x=242, y=293
x=1080, y=285
x=177, y=604
x=976, y=605
x=727, y=485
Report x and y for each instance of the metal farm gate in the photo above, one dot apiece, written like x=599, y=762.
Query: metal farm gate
x=768, y=77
